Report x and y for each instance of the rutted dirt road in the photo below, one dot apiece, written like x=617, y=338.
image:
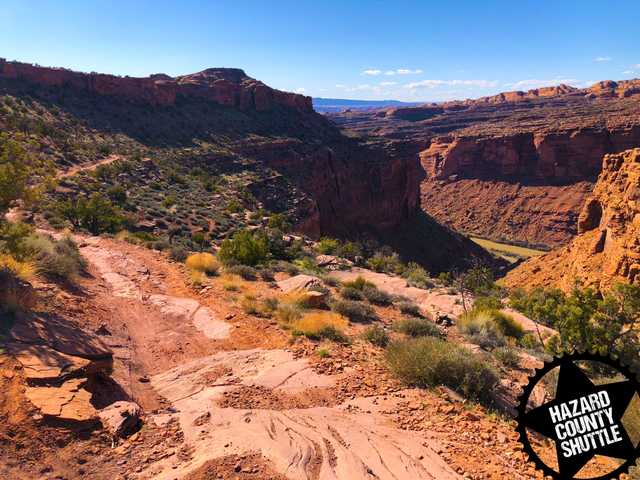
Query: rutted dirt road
x=163, y=332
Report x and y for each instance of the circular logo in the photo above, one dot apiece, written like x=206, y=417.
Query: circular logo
x=594, y=413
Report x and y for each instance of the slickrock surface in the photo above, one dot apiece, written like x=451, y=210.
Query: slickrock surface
x=607, y=248
x=515, y=166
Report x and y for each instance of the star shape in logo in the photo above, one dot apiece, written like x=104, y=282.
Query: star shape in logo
x=573, y=384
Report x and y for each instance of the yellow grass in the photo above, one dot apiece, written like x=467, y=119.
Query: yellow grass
x=203, y=262
x=25, y=271
x=511, y=253
x=314, y=322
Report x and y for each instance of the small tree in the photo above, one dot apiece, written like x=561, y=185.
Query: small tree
x=245, y=247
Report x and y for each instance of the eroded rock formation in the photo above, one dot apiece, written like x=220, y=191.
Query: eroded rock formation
x=514, y=166
x=226, y=86
x=607, y=248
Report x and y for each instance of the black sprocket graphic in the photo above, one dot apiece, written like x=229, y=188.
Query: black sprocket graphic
x=535, y=379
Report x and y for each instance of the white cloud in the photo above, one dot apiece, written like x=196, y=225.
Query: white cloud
x=629, y=72
x=300, y=90
x=602, y=59
x=403, y=71
x=373, y=72
x=636, y=66
x=387, y=84
x=437, y=83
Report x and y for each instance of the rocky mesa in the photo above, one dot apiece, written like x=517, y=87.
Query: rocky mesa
x=607, y=247
x=226, y=86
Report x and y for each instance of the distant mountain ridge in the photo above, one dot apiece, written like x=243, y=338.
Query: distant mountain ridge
x=339, y=104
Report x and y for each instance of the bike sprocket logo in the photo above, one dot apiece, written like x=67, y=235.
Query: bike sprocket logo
x=595, y=412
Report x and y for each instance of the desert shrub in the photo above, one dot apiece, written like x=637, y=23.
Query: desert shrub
x=308, y=266
x=376, y=335
x=446, y=278
x=287, y=313
x=327, y=246
x=331, y=281
x=479, y=326
x=428, y=361
x=354, y=311
x=286, y=267
x=530, y=342
x=417, y=327
x=243, y=271
x=487, y=303
x=472, y=321
x=507, y=324
x=323, y=353
x=381, y=262
x=23, y=270
x=203, y=262
x=359, y=283
x=278, y=221
x=417, y=276
x=267, y=275
x=160, y=245
x=317, y=325
x=12, y=238
x=197, y=277
x=15, y=295
x=270, y=305
x=300, y=298
x=58, y=259
x=351, y=293
x=97, y=214
x=249, y=304
x=377, y=297
x=350, y=250
x=507, y=356
x=178, y=254
x=409, y=308
x=246, y=248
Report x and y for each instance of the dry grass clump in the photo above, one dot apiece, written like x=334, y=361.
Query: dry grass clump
x=15, y=294
x=318, y=325
x=23, y=270
x=203, y=262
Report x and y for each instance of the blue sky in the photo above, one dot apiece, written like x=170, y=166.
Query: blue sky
x=407, y=50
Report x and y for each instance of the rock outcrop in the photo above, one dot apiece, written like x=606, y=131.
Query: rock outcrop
x=607, y=247
x=226, y=86
x=515, y=166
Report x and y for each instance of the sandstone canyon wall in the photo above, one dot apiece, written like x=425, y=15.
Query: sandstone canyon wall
x=607, y=247
x=516, y=166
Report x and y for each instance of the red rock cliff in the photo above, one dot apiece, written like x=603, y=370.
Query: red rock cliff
x=607, y=247
x=226, y=86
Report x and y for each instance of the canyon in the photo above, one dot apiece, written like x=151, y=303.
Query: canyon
x=606, y=250
x=512, y=167
x=272, y=144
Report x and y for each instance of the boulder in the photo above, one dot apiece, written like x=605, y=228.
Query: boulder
x=121, y=419
x=331, y=262
x=311, y=286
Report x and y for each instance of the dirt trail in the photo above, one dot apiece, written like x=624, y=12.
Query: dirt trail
x=87, y=167
x=159, y=329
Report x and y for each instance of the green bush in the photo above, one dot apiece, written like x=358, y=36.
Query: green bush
x=351, y=293
x=56, y=259
x=377, y=336
x=359, y=283
x=409, y=308
x=479, y=326
x=244, y=271
x=178, y=254
x=246, y=248
x=417, y=276
x=327, y=246
x=377, y=297
x=97, y=214
x=428, y=361
x=354, y=311
x=487, y=303
x=507, y=356
x=471, y=322
x=417, y=327
x=381, y=262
